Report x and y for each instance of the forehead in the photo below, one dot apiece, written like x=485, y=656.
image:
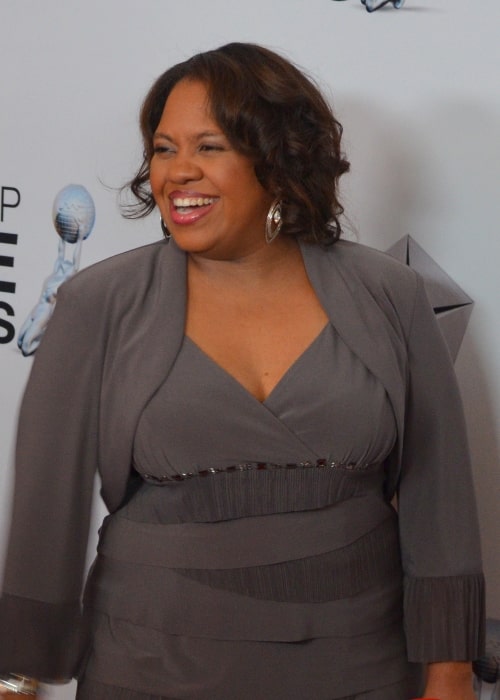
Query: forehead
x=188, y=105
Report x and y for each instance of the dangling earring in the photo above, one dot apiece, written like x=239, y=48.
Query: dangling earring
x=274, y=221
x=165, y=231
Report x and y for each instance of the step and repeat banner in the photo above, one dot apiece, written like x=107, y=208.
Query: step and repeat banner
x=415, y=84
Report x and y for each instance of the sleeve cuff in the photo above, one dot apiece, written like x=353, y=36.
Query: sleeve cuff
x=39, y=639
x=445, y=618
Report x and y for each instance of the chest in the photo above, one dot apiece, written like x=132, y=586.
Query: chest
x=255, y=340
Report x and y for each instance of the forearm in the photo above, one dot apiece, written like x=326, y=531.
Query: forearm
x=449, y=681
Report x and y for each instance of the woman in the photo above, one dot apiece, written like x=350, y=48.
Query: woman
x=253, y=397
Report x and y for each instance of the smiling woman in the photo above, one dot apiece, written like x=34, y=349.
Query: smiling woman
x=207, y=191
x=272, y=113
x=255, y=394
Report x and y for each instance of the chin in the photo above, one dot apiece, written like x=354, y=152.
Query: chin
x=191, y=242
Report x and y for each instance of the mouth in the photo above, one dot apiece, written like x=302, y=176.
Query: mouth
x=190, y=208
x=186, y=205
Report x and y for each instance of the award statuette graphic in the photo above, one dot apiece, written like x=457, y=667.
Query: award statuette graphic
x=372, y=5
x=73, y=214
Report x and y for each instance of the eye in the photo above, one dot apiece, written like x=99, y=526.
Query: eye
x=208, y=147
x=161, y=148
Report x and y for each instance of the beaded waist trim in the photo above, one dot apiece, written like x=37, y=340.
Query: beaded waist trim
x=261, y=466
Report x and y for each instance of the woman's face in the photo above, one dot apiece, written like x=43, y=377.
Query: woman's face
x=208, y=194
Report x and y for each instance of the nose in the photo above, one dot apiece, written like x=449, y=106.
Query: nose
x=183, y=168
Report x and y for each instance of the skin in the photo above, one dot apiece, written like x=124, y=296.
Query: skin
x=450, y=681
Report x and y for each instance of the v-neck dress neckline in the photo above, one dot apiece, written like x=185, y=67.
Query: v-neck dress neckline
x=328, y=405
x=294, y=366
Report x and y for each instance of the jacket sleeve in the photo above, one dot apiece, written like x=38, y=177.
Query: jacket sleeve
x=444, y=587
x=56, y=457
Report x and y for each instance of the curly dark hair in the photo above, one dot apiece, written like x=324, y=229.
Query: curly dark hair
x=270, y=111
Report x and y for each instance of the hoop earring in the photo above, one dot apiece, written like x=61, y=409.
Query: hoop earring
x=274, y=221
x=164, y=229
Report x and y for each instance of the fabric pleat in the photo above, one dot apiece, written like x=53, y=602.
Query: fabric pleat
x=369, y=561
x=253, y=492
x=445, y=637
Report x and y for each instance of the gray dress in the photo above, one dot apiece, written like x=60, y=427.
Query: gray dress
x=258, y=558
x=112, y=342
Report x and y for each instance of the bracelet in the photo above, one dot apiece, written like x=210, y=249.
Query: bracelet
x=17, y=684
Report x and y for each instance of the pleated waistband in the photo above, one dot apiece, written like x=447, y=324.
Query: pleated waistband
x=252, y=492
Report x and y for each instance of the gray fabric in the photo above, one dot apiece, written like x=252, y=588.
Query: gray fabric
x=267, y=539
x=283, y=587
x=92, y=690
x=327, y=405
x=247, y=669
x=115, y=333
x=396, y=691
x=443, y=637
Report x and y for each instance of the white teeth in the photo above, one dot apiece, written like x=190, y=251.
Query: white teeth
x=192, y=201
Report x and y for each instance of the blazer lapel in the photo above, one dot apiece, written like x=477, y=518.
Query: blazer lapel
x=145, y=343
x=359, y=320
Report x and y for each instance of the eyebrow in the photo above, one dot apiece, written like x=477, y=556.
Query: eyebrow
x=196, y=137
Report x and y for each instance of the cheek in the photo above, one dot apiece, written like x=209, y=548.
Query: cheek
x=244, y=186
x=155, y=178
x=153, y=183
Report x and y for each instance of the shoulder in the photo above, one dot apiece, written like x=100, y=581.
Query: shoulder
x=361, y=265
x=388, y=280
x=373, y=266
x=122, y=286
x=115, y=280
x=118, y=269
x=370, y=276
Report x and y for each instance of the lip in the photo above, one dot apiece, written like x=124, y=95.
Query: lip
x=184, y=219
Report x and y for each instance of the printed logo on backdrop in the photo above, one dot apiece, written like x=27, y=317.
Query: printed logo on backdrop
x=372, y=5
x=73, y=214
x=10, y=198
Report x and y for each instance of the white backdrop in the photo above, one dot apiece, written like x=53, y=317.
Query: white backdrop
x=417, y=90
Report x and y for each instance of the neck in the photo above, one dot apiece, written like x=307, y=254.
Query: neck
x=268, y=264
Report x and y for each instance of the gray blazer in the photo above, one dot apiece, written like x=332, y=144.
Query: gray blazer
x=115, y=333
